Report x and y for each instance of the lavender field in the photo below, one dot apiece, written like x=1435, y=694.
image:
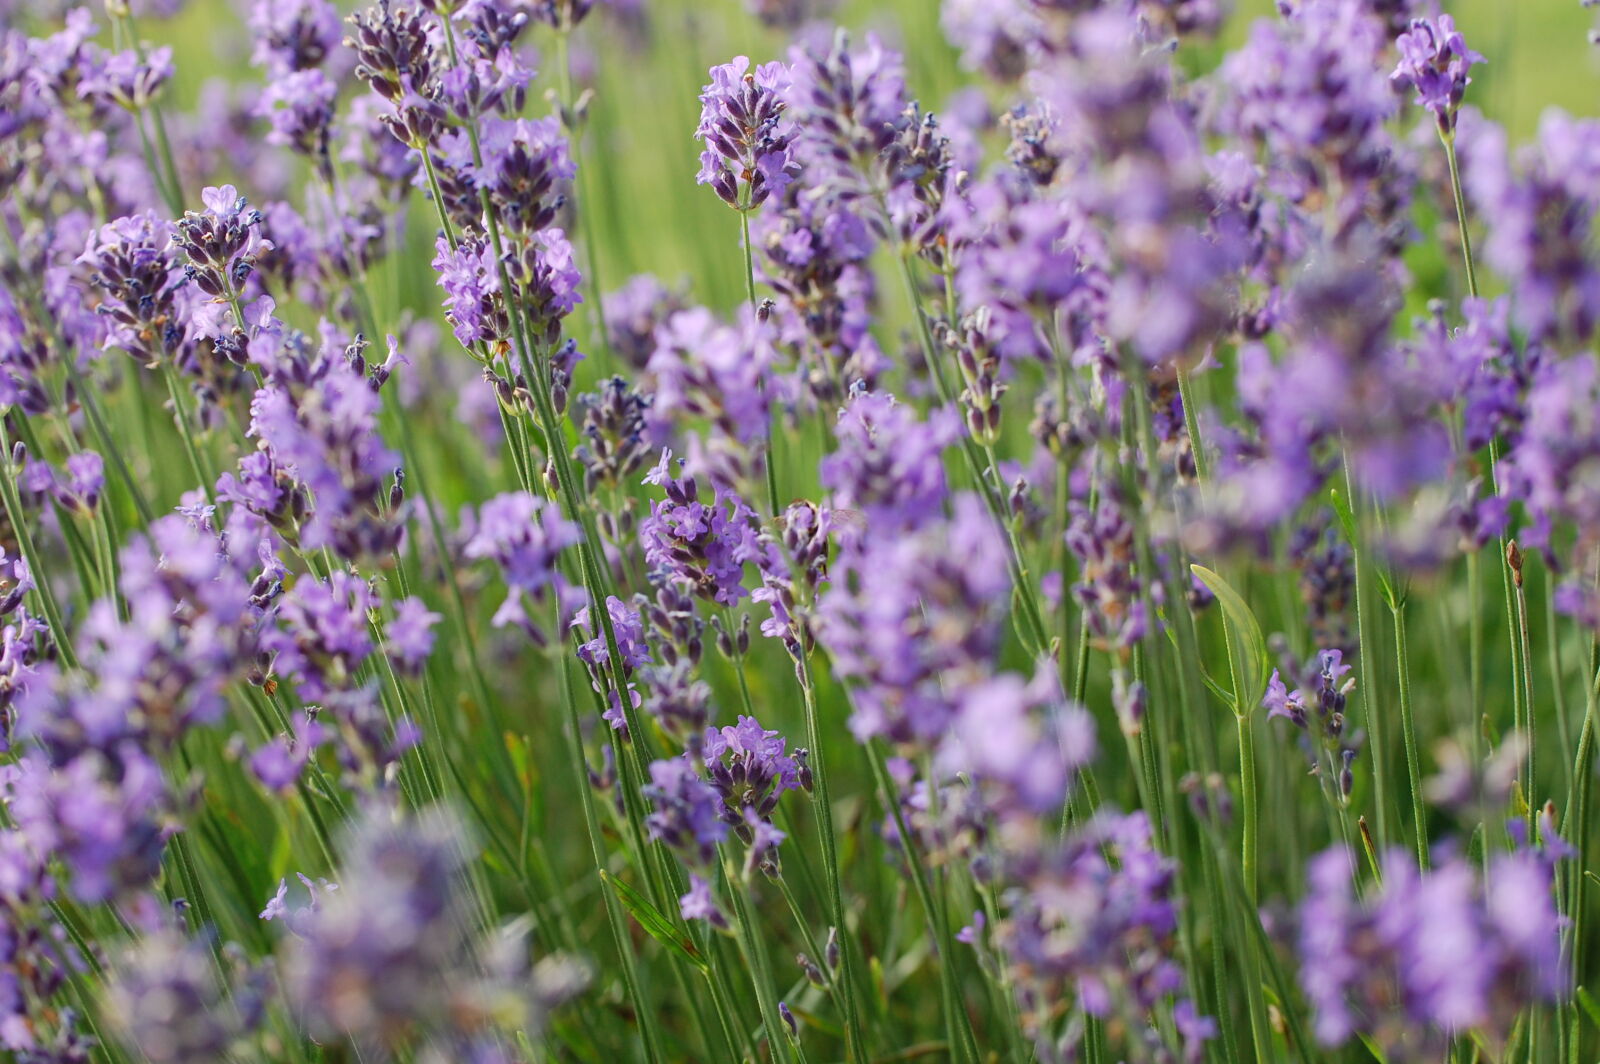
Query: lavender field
x=799, y=531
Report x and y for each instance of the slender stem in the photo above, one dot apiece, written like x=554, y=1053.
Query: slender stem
x=585, y=184
x=619, y=932
x=1409, y=731
x=771, y=460
x=958, y=1024
x=755, y=954
x=1248, y=800
x=180, y=414
x=1524, y=653
x=855, y=1041
x=1365, y=649
x=19, y=526
x=1449, y=140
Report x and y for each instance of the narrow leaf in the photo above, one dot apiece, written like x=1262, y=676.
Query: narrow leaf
x=1590, y=1008
x=1249, y=646
x=655, y=925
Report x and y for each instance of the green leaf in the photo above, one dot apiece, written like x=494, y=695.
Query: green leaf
x=1587, y=1003
x=1248, y=646
x=1347, y=519
x=1373, y=1048
x=655, y=925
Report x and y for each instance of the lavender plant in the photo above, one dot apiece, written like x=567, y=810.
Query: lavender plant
x=1104, y=569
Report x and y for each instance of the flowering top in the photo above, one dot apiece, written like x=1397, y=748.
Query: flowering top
x=293, y=35
x=524, y=535
x=889, y=463
x=523, y=159
x=1434, y=60
x=705, y=546
x=1424, y=956
x=222, y=241
x=748, y=153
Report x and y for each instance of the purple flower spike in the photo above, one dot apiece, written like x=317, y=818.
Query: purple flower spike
x=1434, y=60
x=748, y=140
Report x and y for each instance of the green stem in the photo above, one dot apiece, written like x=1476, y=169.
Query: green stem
x=1449, y=140
x=958, y=1025
x=1250, y=812
x=1366, y=647
x=19, y=526
x=755, y=954
x=1408, y=730
x=1524, y=652
x=822, y=806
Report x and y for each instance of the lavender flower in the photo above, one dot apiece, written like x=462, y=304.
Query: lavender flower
x=409, y=637
x=747, y=157
x=168, y=1003
x=473, y=303
x=704, y=546
x=391, y=960
x=632, y=314
x=221, y=242
x=299, y=107
x=1422, y=957
x=523, y=160
x=524, y=536
x=889, y=464
x=704, y=369
x=293, y=35
x=1434, y=60
x=913, y=617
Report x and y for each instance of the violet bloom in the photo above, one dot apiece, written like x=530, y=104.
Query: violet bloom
x=721, y=373
x=167, y=1001
x=296, y=917
x=103, y=816
x=37, y=958
x=133, y=261
x=1028, y=258
x=848, y=107
x=794, y=567
x=545, y=271
x=705, y=546
x=626, y=626
x=1423, y=958
x=1021, y=741
x=789, y=14
x=612, y=423
x=293, y=35
x=523, y=162
x=1549, y=470
x=913, y=617
x=79, y=492
x=524, y=536
x=750, y=769
x=194, y=608
x=1434, y=60
x=687, y=812
x=409, y=637
x=391, y=959
x=1093, y=918
x=299, y=109
x=748, y=154
x=473, y=304
x=221, y=242
x=813, y=255
x=125, y=79
x=1540, y=214
x=889, y=464
x=632, y=314
x=318, y=421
